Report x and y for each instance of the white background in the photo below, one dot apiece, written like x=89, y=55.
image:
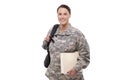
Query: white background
x=25, y=23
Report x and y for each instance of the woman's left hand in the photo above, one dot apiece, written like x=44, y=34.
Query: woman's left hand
x=72, y=72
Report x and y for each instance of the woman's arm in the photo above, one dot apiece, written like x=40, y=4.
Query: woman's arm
x=46, y=40
x=84, y=53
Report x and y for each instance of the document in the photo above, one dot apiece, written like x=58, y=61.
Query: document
x=68, y=61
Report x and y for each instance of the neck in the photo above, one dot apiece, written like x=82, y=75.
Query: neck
x=63, y=27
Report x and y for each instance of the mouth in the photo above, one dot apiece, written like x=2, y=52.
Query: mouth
x=62, y=20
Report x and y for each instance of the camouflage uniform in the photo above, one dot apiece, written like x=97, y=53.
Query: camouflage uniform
x=70, y=40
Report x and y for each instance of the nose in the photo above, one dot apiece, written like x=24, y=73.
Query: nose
x=62, y=16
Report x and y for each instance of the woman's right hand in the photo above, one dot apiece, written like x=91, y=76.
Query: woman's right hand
x=47, y=38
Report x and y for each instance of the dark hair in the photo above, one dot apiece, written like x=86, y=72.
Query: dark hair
x=64, y=6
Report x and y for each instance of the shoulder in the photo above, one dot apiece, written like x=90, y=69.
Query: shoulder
x=76, y=31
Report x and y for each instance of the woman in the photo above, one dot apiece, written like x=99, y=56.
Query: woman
x=66, y=39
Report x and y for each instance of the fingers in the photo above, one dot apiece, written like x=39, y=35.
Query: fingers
x=47, y=38
x=72, y=72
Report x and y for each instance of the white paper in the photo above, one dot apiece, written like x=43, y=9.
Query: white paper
x=68, y=61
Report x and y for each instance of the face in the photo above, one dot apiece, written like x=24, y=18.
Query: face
x=63, y=16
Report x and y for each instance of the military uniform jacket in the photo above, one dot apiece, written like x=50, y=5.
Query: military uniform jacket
x=70, y=40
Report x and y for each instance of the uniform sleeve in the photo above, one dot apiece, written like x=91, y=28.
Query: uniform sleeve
x=44, y=45
x=84, y=53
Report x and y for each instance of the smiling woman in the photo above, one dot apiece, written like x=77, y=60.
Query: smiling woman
x=24, y=24
x=64, y=14
x=66, y=39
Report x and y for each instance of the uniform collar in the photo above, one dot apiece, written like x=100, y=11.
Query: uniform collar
x=66, y=32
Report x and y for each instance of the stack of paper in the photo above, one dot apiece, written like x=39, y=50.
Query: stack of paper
x=68, y=61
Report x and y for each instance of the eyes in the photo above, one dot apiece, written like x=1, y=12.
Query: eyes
x=59, y=14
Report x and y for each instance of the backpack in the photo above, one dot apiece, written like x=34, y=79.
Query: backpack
x=47, y=58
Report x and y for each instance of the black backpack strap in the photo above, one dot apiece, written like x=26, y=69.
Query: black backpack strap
x=54, y=30
x=47, y=59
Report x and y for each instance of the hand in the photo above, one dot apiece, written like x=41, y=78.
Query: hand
x=72, y=72
x=47, y=38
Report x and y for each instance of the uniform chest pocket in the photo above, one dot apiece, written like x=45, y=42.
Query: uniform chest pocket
x=70, y=46
x=64, y=44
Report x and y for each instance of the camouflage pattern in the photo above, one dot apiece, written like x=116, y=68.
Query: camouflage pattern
x=70, y=40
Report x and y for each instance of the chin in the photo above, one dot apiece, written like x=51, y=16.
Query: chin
x=63, y=23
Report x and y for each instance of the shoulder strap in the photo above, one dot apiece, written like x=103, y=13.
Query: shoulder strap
x=54, y=30
x=47, y=59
